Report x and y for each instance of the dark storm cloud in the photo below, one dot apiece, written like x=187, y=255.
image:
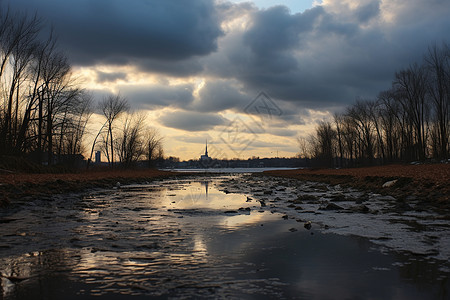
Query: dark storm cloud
x=110, y=76
x=191, y=121
x=116, y=31
x=367, y=12
x=174, y=68
x=323, y=58
x=326, y=57
x=218, y=96
x=157, y=96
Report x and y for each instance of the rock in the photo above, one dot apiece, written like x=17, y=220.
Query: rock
x=16, y=279
x=308, y=225
x=285, y=217
x=268, y=192
x=244, y=209
x=118, y=184
x=293, y=229
x=331, y=206
x=360, y=209
x=338, y=198
x=263, y=203
x=306, y=197
x=389, y=183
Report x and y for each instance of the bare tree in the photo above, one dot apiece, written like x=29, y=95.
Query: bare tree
x=130, y=143
x=153, y=144
x=437, y=62
x=411, y=87
x=18, y=39
x=360, y=115
x=112, y=108
x=325, y=140
x=338, y=122
x=304, y=147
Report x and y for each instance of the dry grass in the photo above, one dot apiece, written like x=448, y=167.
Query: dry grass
x=427, y=182
x=23, y=185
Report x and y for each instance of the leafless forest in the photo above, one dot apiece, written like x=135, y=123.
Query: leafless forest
x=45, y=111
x=409, y=122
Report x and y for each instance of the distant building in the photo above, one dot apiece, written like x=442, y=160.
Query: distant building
x=205, y=156
x=98, y=157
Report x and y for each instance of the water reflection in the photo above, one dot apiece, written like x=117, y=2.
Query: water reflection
x=187, y=239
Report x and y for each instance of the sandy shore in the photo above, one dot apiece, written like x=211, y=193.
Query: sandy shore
x=427, y=182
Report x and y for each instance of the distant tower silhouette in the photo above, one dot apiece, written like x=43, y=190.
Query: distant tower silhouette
x=205, y=156
x=98, y=157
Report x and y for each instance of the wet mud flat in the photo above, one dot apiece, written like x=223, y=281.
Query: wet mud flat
x=227, y=236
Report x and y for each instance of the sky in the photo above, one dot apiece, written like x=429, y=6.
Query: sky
x=248, y=76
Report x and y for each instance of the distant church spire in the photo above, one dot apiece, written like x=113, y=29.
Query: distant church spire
x=205, y=157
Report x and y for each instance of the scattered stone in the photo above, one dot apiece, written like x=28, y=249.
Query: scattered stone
x=338, y=198
x=244, y=209
x=306, y=197
x=293, y=229
x=402, y=206
x=331, y=206
x=308, y=225
x=285, y=217
x=16, y=279
x=360, y=200
x=268, y=192
x=360, y=209
x=389, y=183
x=263, y=203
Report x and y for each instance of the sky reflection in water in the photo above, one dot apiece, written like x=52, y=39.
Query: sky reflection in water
x=186, y=238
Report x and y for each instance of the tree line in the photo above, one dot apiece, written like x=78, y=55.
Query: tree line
x=408, y=122
x=44, y=111
x=131, y=140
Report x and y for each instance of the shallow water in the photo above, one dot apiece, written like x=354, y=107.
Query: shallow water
x=229, y=236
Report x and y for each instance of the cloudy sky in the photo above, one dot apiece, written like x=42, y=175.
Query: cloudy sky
x=249, y=76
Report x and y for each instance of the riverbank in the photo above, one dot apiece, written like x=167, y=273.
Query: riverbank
x=426, y=182
x=21, y=185
x=227, y=236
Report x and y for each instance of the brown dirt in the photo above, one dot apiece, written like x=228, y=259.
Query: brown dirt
x=426, y=182
x=20, y=185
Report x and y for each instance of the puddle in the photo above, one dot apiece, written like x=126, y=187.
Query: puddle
x=218, y=237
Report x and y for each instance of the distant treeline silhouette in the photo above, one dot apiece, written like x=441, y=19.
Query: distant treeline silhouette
x=44, y=111
x=409, y=122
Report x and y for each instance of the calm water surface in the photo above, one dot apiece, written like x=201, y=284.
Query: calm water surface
x=194, y=238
